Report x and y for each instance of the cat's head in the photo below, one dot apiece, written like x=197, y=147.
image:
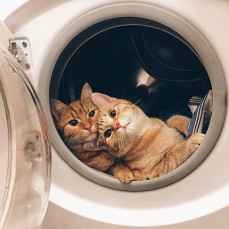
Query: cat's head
x=119, y=123
x=77, y=122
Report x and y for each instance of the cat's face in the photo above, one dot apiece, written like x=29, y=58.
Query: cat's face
x=77, y=121
x=118, y=123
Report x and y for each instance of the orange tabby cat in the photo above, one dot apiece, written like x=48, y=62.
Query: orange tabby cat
x=77, y=124
x=147, y=146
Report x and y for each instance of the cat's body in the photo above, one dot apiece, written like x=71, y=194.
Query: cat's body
x=77, y=124
x=147, y=146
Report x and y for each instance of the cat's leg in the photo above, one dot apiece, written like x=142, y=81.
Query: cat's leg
x=100, y=161
x=139, y=175
x=180, y=123
x=177, y=155
x=121, y=172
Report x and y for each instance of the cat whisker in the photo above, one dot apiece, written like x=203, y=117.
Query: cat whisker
x=139, y=100
x=126, y=119
x=136, y=103
x=121, y=141
x=71, y=141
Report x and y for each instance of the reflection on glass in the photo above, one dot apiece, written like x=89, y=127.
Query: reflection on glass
x=29, y=149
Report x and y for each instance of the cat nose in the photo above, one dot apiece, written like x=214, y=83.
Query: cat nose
x=88, y=127
x=117, y=125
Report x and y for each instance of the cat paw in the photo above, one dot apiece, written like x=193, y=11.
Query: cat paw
x=125, y=176
x=195, y=141
x=138, y=175
x=180, y=123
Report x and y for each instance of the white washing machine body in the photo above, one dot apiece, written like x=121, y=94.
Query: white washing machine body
x=25, y=146
x=199, y=199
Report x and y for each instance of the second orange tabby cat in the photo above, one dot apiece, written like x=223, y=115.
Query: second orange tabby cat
x=77, y=125
x=147, y=147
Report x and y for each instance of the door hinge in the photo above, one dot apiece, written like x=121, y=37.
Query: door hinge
x=20, y=50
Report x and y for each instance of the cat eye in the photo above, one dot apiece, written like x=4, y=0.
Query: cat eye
x=73, y=122
x=107, y=133
x=113, y=113
x=91, y=114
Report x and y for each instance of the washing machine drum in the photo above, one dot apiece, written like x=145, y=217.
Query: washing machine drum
x=167, y=57
x=25, y=150
x=147, y=64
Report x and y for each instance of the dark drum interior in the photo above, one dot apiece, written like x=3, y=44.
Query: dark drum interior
x=138, y=60
x=151, y=66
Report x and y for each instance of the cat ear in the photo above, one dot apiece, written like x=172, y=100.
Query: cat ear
x=57, y=108
x=101, y=100
x=86, y=93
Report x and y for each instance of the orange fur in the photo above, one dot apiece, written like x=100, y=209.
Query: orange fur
x=85, y=131
x=180, y=123
x=147, y=146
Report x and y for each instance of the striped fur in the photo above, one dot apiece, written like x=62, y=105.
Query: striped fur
x=147, y=146
x=75, y=137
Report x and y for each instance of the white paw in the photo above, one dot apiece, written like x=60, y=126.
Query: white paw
x=125, y=176
x=195, y=140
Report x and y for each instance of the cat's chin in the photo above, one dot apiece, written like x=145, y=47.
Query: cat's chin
x=91, y=137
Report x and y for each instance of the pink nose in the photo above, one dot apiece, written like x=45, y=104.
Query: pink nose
x=117, y=125
x=88, y=127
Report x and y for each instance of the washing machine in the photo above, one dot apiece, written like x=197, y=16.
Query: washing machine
x=49, y=49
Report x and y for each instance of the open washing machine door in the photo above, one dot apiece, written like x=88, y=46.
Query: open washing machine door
x=25, y=147
x=185, y=203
